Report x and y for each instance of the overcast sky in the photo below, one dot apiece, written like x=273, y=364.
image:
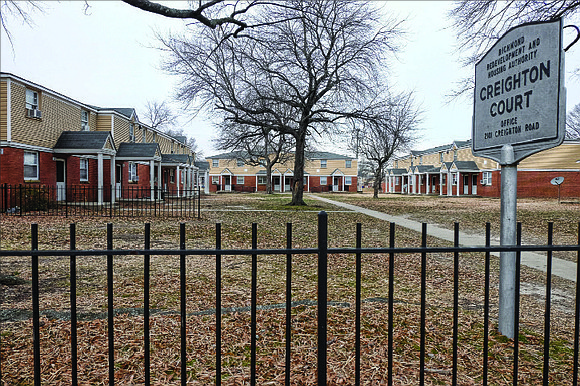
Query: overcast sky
x=104, y=58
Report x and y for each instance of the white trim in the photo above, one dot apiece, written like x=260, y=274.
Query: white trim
x=112, y=126
x=17, y=145
x=546, y=170
x=9, y=110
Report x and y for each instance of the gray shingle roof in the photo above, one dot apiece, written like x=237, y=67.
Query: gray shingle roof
x=145, y=151
x=82, y=140
x=309, y=155
x=466, y=165
x=126, y=111
x=176, y=158
x=202, y=165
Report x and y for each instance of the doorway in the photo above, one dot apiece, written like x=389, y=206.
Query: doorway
x=474, y=184
x=60, y=180
x=466, y=184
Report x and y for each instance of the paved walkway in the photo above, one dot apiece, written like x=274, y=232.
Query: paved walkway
x=562, y=268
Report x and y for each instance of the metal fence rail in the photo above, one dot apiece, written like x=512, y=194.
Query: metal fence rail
x=86, y=200
x=322, y=251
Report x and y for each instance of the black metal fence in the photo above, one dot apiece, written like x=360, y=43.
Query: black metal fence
x=321, y=251
x=87, y=200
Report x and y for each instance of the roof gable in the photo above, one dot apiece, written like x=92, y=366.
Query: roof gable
x=85, y=142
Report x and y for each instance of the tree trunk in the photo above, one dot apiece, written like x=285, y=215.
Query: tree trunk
x=269, y=176
x=378, y=181
x=298, y=179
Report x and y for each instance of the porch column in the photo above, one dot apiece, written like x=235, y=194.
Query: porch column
x=152, y=179
x=415, y=182
x=113, y=171
x=159, y=181
x=458, y=182
x=282, y=183
x=177, y=180
x=100, y=178
x=449, y=184
x=440, y=183
x=428, y=187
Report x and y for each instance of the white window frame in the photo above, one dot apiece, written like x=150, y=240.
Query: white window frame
x=323, y=181
x=239, y=163
x=454, y=179
x=31, y=99
x=144, y=134
x=323, y=163
x=133, y=176
x=215, y=180
x=348, y=164
x=84, y=167
x=240, y=180
x=131, y=132
x=172, y=176
x=261, y=180
x=397, y=180
x=85, y=120
x=486, y=178
x=31, y=163
x=215, y=163
x=348, y=180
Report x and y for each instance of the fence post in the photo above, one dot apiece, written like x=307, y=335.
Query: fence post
x=322, y=295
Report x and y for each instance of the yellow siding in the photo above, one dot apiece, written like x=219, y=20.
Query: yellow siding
x=564, y=156
x=310, y=167
x=103, y=122
x=57, y=116
x=4, y=111
x=121, y=130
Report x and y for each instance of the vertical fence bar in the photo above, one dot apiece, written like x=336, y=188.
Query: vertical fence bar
x=322, y=295
x=254, y=300
x=218, y=305
x=517, y=304
x=423, y=303
x=358, y=301
x=73, y=307
x=199, y=202
x=391, y=301
x=486, y=303
x=455, y=302
x=110, y=309
x=146, y=305
x=288, y=303
x=577, y=318
x=35, y=305
x=183, y=294
x=546, y=369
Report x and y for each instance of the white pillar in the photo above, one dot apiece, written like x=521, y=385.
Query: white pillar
x=458, y=182
x=440, y=183
x=177, y=179
x=427, y=191
x=159, y=181
x=152, y=179
x=113, y=179
x=100, y=178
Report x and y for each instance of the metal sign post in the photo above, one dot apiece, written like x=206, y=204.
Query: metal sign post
x=519, y=109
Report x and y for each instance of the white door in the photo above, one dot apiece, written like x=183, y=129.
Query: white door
x=335, y=182
x=474, y=184
x=60, y=180
x=227, y=183
x=118, y=179
x=276, y=183
x=466, y=184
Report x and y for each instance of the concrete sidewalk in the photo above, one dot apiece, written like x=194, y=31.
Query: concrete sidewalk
x=562, y=268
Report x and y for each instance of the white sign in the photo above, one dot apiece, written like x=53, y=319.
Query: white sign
x=557, y=180
x=519, y=93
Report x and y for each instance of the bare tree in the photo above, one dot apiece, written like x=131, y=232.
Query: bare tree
x=256, y=146
x=322, y=62
x=20, y=10
x=479, y=24
x=390, y=128
x=573, y=123
x=159, y=115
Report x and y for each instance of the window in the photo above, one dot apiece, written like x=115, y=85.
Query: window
x=30, y=165
x=172, y=176
x=133, y=176
x=420, y=160
x=31, y=100
x=444, y=178
x=441, y=157
x=348, y=180
x=172, y=151
x=143, y=134
x=322, y=163
x=454, y=154
x=84, y=169
x=454, y=178
x=240, y=162
x=85, y=120
x=216, y=180
x=215, y=163
x=397, y=164
x=348, y=163
x=397, y=180
x=240, y=180
x=322, y=180
x=154, y=137
x=131, y=132
x=486, y=178
x=261, y=180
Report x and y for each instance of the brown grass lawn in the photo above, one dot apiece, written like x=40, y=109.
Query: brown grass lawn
x=236, y=213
